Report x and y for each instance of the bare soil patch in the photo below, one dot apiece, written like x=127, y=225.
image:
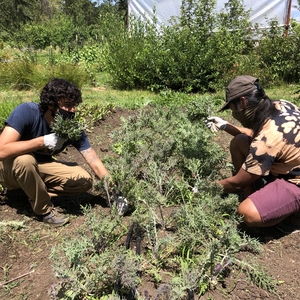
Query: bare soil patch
x=26, y=251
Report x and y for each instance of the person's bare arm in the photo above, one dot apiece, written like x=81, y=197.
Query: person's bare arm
x=238, y=182
x=11, y=146
x=94, y=162
x=235, y=130
x=216, y=123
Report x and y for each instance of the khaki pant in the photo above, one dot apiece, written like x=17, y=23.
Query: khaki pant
x=41, y=181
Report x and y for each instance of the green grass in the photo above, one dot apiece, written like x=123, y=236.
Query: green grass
x=124, y=99
x=104, y=94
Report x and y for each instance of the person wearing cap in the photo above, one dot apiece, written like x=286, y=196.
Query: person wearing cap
x=266, y=146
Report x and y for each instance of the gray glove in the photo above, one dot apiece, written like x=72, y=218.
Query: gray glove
x=215, y=124
x=53, y=142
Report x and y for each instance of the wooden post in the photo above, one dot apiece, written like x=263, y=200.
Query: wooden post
x=288, y=18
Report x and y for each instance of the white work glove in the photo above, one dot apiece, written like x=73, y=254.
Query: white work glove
x=53, y=142
x=215, y=124
x=122, y=205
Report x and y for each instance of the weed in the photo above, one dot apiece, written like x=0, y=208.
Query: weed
x=90, y=114
x=160, y=157
x=93, y=263
x=85, y=118
x=257, y=274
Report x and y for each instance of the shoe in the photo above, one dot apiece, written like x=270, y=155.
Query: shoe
x=122, y=205
x=55, y=219
x=289, y=225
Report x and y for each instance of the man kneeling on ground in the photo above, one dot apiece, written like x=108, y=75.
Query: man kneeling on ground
x=27, y=147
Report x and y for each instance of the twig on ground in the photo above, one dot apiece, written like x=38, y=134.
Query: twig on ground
x=14, y=279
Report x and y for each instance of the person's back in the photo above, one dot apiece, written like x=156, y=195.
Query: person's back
x=276, y=147
x=268, y=150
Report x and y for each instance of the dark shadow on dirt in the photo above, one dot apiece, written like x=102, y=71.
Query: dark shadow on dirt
x=72, y=204
x=262, y=234
x=18, y=200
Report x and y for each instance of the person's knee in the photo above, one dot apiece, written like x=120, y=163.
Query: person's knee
x=84, y=181
x=25, y=163
x=238, y=142
x=250, y=214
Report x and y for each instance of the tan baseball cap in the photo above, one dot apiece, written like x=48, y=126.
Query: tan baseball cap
x=238, y=87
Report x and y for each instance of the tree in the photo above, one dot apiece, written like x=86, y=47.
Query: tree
x=13, y=14
x=83, y=12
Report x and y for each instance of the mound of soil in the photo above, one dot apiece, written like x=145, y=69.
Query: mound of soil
x=26, y=271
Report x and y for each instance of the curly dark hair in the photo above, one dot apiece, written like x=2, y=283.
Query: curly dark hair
x=57, y=89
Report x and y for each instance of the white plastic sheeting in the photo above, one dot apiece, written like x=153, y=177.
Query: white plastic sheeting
x=165, y=9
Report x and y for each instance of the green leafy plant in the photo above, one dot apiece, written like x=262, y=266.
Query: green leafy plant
x=69, y=129
x=279, y=54
x=189, y=237
x=196, y=53
x=199, y=110
x=90, y=114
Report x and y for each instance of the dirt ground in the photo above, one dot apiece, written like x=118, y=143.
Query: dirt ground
x=26, y=271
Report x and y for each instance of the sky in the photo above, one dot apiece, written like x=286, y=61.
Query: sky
x=295, y=13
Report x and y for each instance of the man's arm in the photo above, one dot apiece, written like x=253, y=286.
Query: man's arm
x=238, y=182
x=94, y=162
x=11, y=146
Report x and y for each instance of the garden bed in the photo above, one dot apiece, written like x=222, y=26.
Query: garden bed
x=26, y=243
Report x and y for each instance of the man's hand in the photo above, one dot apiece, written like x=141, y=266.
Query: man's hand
x=215, y=124
x=53, y=142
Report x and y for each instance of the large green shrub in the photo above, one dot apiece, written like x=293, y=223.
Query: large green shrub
x=190, y=55
x=128, y=60
x=200, y=51
x=279, y=54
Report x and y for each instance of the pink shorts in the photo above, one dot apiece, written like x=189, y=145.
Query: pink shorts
x=276, y=199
